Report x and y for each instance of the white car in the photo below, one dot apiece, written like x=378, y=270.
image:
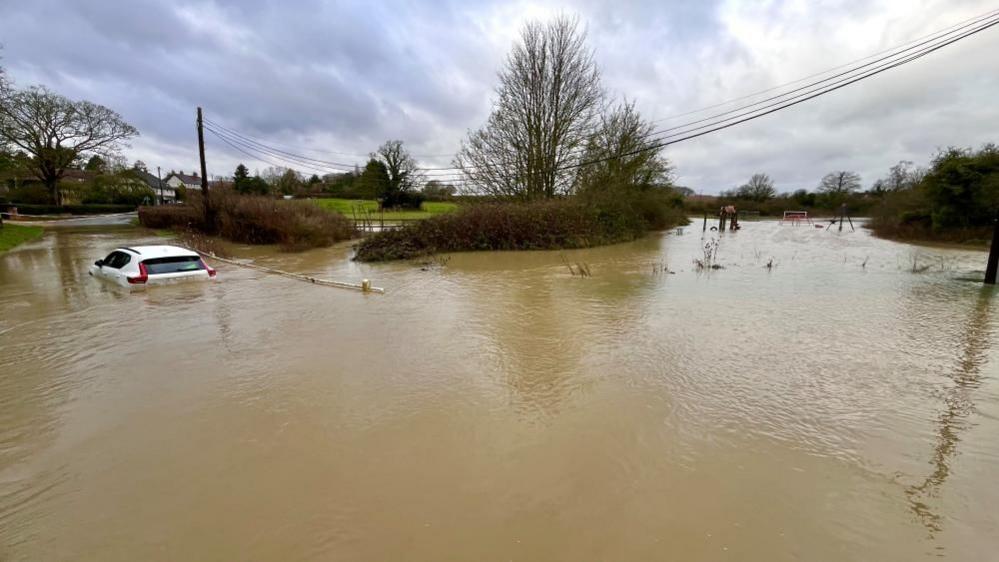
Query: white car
x=138, y=266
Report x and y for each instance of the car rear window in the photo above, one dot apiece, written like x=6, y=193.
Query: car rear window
x=179, y=264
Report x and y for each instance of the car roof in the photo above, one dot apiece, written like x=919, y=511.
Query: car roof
x=161, y=251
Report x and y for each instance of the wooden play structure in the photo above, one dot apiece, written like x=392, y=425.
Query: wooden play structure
x=726, y=215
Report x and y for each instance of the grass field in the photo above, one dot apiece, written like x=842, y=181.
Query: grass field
x=12, y=234
x=348, y=207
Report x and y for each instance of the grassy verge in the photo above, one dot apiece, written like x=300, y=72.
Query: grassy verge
x=543, y=225
x=295, y=225
x=13, y=234
x=347, y=208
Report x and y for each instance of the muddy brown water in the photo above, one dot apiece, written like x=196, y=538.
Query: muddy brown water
x=499, y=408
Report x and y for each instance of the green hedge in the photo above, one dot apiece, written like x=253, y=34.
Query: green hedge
x=541, y=225
x=295, y=225
x=72, y=209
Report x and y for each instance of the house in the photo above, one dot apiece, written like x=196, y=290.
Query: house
x=70, y=184
x=72, y=176
x=177, y=180
x=164, y=192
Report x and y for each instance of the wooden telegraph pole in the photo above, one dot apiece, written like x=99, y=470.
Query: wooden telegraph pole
x=159, y=182
x=205, y=200
x=993, y=264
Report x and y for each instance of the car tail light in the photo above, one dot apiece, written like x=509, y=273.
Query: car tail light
x=142, y=277
x=211, y=272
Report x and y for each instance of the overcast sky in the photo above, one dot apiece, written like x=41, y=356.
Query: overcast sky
x=341, y=77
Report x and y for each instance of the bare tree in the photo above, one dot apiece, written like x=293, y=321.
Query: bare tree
x=55, y=131
x=759, y=188
x=548, y=99
x=273, y=174
x=401, y=167
x=435, y=190
x=901, y=176
x=4, y=83
x=621, y=153
x=840, y=183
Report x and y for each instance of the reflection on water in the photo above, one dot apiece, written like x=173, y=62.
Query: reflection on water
x=958, y=405
x=500, y=408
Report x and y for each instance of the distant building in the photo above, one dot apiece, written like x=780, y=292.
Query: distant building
x=177, y=180
x=76, y=176
x=164, y=192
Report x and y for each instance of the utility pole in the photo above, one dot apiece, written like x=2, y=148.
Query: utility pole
x=209, y=212
x=159, y=182
x=993, y=264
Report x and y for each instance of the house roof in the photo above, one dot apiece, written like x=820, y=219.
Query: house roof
x=77, y=175
x=149, y=179
x=190, y=180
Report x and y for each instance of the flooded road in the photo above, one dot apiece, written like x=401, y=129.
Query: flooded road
x=836, y=406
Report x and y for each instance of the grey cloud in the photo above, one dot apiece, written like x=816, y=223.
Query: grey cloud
x=349, y=75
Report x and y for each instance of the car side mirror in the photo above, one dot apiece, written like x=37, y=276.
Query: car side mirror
x=99, y=263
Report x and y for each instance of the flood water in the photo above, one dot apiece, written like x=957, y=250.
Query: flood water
x=837, y=406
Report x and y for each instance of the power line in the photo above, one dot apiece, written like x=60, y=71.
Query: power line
x=657, y=134
x=324, y=166
x=827, y=71
x=254, y=150
x=244, y=152
x=794, y=102
x=250, y=141
x=323, y=151
x=873, y=63
x=306, y=160
x=283, y=161
x=718, y=125
x=711, y=123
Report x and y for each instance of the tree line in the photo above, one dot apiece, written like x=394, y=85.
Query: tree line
x=390, y=176
x=955, y=199
x=834, y=186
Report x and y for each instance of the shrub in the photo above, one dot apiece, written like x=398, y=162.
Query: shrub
x=107, y=193
x=636, y=210
x=295, y=225
x=32, y=193
x=543, y=225
x=962, y=187
x=398, y=199
x=953, y=202
x=170, y=216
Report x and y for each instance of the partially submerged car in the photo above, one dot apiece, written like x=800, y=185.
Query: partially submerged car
x=138, y=266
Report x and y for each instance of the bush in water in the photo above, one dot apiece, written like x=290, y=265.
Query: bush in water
x=542, y=225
